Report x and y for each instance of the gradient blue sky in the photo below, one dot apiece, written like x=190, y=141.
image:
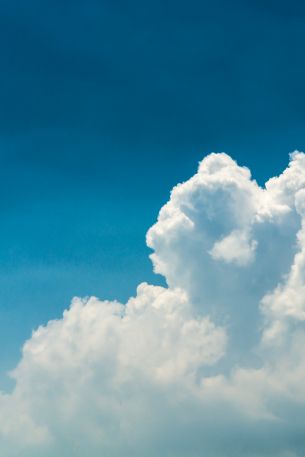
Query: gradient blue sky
x=104, y=106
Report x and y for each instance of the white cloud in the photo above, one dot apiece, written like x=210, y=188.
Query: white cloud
x=211, y=366
x=234, y=248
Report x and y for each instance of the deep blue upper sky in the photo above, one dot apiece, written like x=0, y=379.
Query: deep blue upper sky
x=104, y=106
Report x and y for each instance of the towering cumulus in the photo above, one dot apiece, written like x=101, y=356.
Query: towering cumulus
x=210, y=366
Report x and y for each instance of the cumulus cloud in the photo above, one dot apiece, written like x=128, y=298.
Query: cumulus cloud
x=212, y=365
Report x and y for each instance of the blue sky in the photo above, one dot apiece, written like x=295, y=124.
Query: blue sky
x=104, y=106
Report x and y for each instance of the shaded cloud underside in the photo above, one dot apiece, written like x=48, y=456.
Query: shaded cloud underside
x=213, y=365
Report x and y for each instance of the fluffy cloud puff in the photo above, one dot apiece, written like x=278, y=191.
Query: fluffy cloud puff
x=213, y=365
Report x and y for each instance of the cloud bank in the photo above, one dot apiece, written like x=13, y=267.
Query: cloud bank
x=213, y=365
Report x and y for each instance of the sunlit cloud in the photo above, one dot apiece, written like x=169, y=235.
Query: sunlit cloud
x=211, y=365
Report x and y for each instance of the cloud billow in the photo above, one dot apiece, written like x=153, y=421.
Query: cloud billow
x=211, y=365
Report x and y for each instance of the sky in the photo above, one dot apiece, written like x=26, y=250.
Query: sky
x=104, y=107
